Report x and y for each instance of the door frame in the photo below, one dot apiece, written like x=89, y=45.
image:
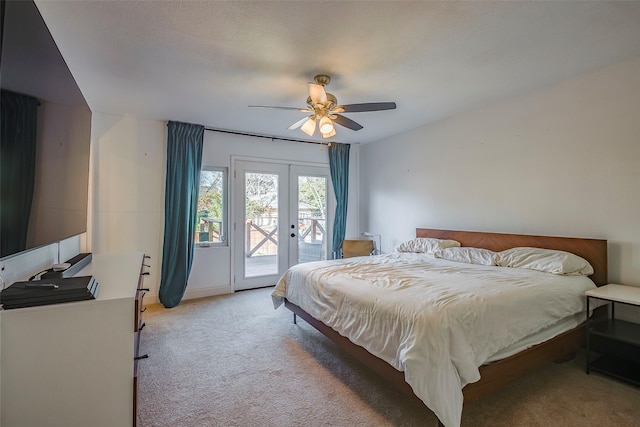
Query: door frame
x=296, y=170
x=233, y=194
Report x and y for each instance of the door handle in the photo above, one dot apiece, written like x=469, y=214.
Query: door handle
x=293, y=234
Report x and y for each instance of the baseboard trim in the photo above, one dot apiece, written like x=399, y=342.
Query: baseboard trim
x=209, y=291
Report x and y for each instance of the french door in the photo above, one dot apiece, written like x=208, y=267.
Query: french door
x=282, y=214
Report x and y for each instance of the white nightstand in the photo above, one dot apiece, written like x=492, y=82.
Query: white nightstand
x=617, y=341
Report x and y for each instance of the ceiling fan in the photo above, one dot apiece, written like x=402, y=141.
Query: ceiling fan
x=325, y=111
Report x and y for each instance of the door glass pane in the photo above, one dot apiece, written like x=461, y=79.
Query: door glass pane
x=261, y=224
x=312, y=218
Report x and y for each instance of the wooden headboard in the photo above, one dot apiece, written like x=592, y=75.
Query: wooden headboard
x=593, y=250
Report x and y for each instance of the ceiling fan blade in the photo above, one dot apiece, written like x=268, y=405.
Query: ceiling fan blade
x=317, y=93
x=299, y=123
x=348, y=123
x=369, y=106
x=304, y=110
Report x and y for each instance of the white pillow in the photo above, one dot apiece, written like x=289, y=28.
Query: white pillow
x=549, y=260
x=426, y=245
x=469, y=255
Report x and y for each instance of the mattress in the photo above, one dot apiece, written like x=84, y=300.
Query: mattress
x=437, y=321
x=539, y=337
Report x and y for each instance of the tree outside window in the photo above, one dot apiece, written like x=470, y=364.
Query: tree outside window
x=211, y=219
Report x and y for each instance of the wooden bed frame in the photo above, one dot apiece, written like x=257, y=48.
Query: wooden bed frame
x=497, y=374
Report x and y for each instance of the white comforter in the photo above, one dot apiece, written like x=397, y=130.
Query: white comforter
x=436, y=320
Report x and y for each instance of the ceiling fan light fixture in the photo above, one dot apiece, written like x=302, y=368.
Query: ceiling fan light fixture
x=317, y=93
x=330, y=134
x=324, y=110
x=309, y=127
x=326, y=126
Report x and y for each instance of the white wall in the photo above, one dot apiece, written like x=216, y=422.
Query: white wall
x=126, y=200
x=561, y=161
x=127, y=192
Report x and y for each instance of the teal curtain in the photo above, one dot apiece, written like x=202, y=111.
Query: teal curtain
x=339, y=166
x=184, y=163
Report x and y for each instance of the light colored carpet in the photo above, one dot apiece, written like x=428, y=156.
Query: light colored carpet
x=235, y=361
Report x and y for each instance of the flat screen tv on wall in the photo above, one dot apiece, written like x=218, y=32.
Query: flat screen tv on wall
x=45, y=136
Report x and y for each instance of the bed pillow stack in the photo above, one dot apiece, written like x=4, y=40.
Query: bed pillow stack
x=546, y=260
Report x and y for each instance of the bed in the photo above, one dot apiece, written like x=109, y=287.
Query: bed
x=429, y=371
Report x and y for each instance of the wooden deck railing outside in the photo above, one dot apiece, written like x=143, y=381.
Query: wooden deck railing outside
x=263, y=234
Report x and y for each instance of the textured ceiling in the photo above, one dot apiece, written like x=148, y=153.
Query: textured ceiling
x=206, y=62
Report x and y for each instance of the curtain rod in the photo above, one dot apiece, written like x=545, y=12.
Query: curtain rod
x=232, y=132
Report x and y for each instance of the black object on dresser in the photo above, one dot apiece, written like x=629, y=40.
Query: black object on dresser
x=76, y=264
x=50, y=291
